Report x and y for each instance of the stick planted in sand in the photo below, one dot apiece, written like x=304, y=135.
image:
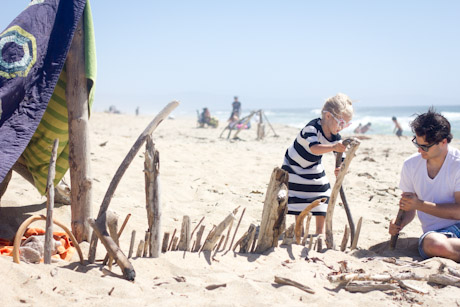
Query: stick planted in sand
x=236, y=229
x=302, y=215
x=214, y=236
x=354, y=244
x=338, y=183
x=113, y=249
x=184, y=242
x=199, y=234
x=398, y=221
x=172, y=239
x=50, y=203
x=274, y=211
x=346, y=234
x=152, y=193
x=307, y=229
x=246, y=243
x=124, y=165
x=131, y=244
x=164, y=246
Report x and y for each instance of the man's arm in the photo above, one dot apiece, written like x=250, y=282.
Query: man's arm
x=410, y=201
x=395, y=229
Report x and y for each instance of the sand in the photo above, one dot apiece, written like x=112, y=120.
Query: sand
x=204, y=175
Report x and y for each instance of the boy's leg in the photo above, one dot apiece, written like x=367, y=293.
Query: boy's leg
x=320, y=224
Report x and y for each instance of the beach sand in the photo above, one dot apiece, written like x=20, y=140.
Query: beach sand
x=203, y=175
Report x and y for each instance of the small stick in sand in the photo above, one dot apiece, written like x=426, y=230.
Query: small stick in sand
x=358, y=230
x=196, y=227
x=207, y=237
x=199, y=234
x=131, y=245
x=140, y=248
x=172, y=239
x=346, y=234
x=164, y=246
x=146, y=243
x=302, y=215
x=307, y=229
x=236, y=229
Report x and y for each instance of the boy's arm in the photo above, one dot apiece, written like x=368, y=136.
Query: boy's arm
x=320, y=149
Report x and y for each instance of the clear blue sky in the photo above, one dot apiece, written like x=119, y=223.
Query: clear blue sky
x=272, y=54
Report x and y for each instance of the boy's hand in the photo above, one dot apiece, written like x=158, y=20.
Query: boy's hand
x=339, y=147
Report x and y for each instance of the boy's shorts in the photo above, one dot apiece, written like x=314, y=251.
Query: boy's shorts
x=452, y=231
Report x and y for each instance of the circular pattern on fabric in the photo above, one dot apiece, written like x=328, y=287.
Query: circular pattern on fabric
x=16, y=41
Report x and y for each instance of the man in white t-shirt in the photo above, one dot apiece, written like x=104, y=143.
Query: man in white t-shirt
x=430, y=181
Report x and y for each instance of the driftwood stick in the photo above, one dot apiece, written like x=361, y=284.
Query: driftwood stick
x=131, y=245
x=112, y=225
x=114, y=251
x=140, y=248
x=367, y=287
x=152, y=192
x=30, y=220
x=240, y=240
x=274, y=211
x=319, y=242
x=199, y=234
x=290, y=282
x=310, y=243
x=374, y=277
x=346, y=234
x=214, y=236
x=146, y=243
x=246, y=243
x=218, y=245
x=172, y=237
x=236, y=229
x=444, y=279
x=124, y=165
x=335, y=190
x=302, y=215
x=354, y=244
x=164, y=246
x=196, y=227
x=184, y=242
x=254, y=241
x=174, y=243
x=289, y=235
x=398, y=222
x=228, y=234
x=50, y=204
x=307, y=229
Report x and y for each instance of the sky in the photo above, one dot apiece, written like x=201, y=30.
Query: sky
x=272, y=54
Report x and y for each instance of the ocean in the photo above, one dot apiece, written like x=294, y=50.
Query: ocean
x=379, y=117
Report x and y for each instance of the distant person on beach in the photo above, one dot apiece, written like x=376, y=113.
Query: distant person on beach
x=398, y=130
x=206, y=119
x=365, y=128
x=137, y=111
x=236, y=109
x=302, y=160
x=430, y=182
x=358, y=129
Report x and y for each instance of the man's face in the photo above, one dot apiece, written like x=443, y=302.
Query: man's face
x=427, y=150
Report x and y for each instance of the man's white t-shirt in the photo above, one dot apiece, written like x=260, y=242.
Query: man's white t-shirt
x=439, y=190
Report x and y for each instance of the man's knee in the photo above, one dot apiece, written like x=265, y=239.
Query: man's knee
x=436, y=244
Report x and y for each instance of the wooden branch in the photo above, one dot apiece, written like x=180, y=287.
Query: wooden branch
x=398, y=221
x=236, y=229
x=212, y=240
x=319, y=242
x=374, y=277
x=290, y=282
x=184, y=242
x=140, y=248
x=172, y=238
x=77, y=97
x=112, y=225
x=289, y=235
x=30, y=220
x=274, y=211
x=152, y=192
x=367, y=287
x=131, y=245
x=307, y=229
x=50, y=204
x=146, y=243
x=113, y=249
x=354, y=244
x=164, y=246
x=338, y=183
x=124, y=165
x=302, y=215
x=199, y=234
x=248, y=239
x=346, y=234
x=443, y=279
x=196, y=227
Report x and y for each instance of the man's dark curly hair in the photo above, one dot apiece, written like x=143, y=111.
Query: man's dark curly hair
x=433, y=126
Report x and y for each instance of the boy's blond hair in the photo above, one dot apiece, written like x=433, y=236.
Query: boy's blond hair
x=338, y=104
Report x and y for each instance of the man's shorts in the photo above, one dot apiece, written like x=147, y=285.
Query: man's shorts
x=452, y=231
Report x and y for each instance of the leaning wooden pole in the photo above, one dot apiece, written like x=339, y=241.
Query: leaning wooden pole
x=50, y=204
x=124, y=165
x=335, y=192
x=79, y=152
x=274, y=212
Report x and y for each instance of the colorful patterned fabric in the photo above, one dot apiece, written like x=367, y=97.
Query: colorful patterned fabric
x=32, y=84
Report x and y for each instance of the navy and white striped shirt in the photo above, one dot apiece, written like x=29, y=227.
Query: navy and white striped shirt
x=307, y=178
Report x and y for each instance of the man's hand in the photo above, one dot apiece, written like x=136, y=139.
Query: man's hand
x=409, y=201
x=394, y=229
